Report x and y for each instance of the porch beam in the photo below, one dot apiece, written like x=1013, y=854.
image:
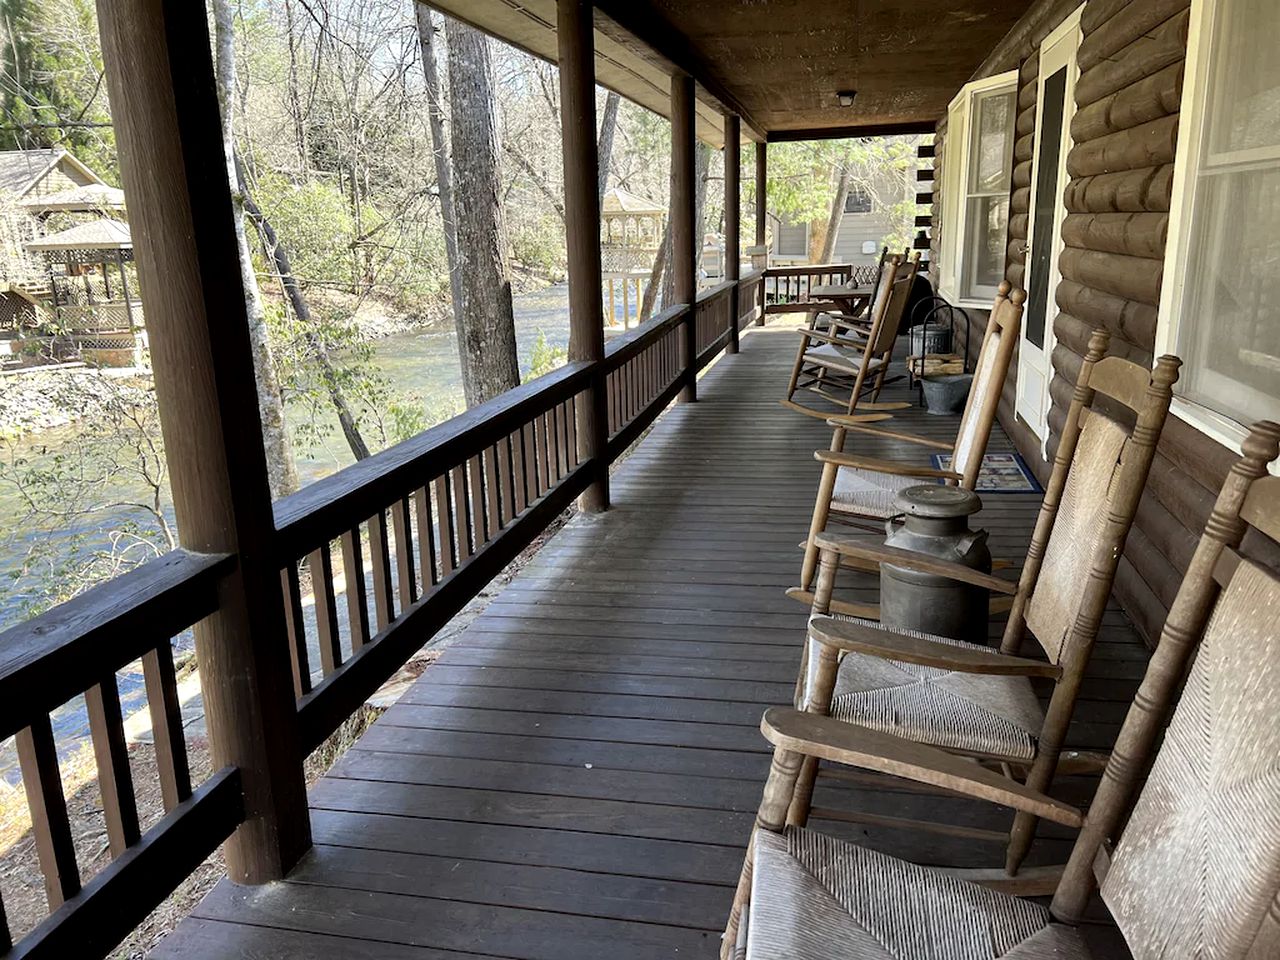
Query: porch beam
x=651, y=29
x=732, y=215
x=683, y=223
x=576, y=38
x=165, y=109
x=853, y=130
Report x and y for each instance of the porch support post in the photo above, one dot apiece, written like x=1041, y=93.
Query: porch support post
x=683, y=217
x=160, y=79
x=732, y=217
x=582, y=220
x=762, y=191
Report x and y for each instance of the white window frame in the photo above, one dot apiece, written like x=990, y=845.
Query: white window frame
x=1186, y=171
x=955, y=175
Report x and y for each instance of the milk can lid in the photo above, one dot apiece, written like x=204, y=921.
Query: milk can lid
x=938, y=501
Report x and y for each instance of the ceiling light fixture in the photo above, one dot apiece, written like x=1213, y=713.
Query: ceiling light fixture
x=846, y=97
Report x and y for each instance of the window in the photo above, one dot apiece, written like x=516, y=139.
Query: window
x=977, y=166
x=858, y=200
x=1220, y=306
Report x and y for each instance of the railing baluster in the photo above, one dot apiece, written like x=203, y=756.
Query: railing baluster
x=115, y=780
x=519, y=469
x=380, y=557
x=38, y=759
x=562, y=440
x=426, y=539
x=506, y=481
x=461, y=522
x=294, y=630
x=357, y=594
x=571, y=425
x=448, y=562
x=165, y=710
x=320, y=563
x=543, y=461
x=403, y=534
x=475, y=482
x=493, y=499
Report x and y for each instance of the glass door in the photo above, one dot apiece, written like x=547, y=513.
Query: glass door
x=1055, y=106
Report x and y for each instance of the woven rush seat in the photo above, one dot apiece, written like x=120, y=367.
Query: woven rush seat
x=814, y=898
x=833, y=357
x=982, y=713
x=869, y=492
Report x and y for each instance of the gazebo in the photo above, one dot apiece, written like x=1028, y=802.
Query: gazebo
x=90, y=198
x=630, y=235
x=100, y=315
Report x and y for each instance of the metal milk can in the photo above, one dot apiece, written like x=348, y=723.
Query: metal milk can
x=934, y=522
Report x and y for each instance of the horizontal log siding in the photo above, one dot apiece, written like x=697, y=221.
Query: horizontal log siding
x=1118, y=199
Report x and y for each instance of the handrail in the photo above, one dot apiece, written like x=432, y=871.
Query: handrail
x=801, y=269
x=324, y=509
x=620, y=349
x=52, y=657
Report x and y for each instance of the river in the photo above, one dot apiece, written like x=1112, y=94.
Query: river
x=423, y=362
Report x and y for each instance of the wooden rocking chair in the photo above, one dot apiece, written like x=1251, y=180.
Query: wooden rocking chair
x=1193, y=873
x=850, y=357
x=865, y=488
x=969, y=698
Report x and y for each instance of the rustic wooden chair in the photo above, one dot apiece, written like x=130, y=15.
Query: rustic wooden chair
x=1193, y=873
x=865, y=488
x=967, y=697
x=851, y=361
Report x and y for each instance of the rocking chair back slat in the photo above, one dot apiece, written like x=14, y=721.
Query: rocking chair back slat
x=992, y=368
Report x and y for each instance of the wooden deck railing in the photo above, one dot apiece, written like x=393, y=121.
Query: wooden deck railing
x=788, y=289
x=78, y=648
x=391, y=548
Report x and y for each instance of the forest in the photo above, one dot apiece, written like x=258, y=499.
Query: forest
x=393, y=170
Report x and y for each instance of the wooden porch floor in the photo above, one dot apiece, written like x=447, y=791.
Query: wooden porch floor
x=577, y=775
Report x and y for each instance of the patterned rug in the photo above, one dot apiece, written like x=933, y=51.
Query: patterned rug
x=1000, y=473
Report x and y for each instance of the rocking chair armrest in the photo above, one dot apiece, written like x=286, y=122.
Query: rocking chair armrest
x=851, y=547
x=888, y=644
x=842, y=459
x=846, y=422
x=830, y=338
x=839, y=742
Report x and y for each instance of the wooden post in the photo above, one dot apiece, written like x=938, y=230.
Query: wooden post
x=165, y=109
x=683, y=217
x=575, y=32
x=762, y=196
x=732, y=217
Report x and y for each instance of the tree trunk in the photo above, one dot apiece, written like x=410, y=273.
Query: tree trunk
x=837, y=213
x=701, y=171
x=295, y=98
x=440, y=149
x=281, y=469
x=319, y=350
x=656, y=274
x=487, y=341
x=608, y=126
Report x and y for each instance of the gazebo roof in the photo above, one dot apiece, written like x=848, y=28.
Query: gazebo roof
x=98, y=235
x=93, y=196
x=618, y=201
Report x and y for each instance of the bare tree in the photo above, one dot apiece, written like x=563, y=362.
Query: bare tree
x=281, y=469
x=844, y=178
x=487, y=340
x=608, y=127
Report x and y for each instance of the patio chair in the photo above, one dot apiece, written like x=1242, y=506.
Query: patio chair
x=855, y=360
x=865, y=488
x=1193, y=873
x=969, y=698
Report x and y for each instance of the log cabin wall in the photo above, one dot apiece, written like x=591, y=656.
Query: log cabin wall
x=1117, y=199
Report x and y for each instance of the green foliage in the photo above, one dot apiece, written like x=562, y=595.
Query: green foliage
x=544, y=358
x=538, y=244
x=51, y=86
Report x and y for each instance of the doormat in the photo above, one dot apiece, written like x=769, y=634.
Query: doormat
x=1000, y=473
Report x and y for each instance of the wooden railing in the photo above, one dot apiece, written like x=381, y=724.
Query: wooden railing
x=789, y=289
x=386, y=551
x=78, y=648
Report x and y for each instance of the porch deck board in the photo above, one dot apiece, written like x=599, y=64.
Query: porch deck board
x=576, y=776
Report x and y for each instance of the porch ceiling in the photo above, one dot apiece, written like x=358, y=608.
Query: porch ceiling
x=777, y=63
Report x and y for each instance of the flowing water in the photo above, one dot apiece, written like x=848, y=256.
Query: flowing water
x=422, y=362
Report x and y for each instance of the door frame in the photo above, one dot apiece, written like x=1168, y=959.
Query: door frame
x=1035, y=364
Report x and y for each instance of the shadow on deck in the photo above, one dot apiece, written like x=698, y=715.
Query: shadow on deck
x=577, y=776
